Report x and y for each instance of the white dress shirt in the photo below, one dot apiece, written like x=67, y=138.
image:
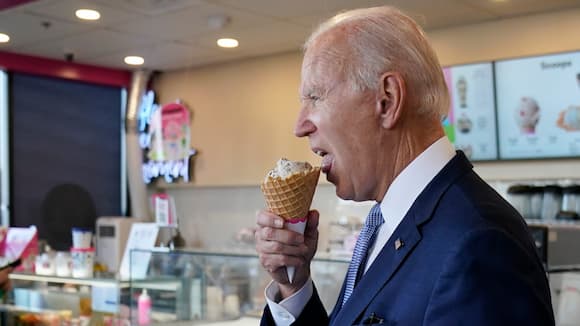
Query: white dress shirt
x=397, y=201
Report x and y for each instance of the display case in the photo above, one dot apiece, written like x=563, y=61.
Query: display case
x=224, y=288
x=190, y=287
x=52, y=300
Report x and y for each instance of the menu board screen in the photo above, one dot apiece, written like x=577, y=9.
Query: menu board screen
x=470, y=124
x=538, y=101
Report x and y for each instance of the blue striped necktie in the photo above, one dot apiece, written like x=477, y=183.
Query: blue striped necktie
x=365, y=239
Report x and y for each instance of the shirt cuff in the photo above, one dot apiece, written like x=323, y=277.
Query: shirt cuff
x=286, y=311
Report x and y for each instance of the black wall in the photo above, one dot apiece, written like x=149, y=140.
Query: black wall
x=63, y=132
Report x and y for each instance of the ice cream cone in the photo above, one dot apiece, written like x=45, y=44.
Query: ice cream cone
x=290, y=198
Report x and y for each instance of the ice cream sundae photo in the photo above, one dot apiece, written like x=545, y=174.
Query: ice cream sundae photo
x=527, y=115
x=569, y=119
x=462, y=91
x=464, y=124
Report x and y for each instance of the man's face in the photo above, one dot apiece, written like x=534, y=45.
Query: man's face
x=342, y=126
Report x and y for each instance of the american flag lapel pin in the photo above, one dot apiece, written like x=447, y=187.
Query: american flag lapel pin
x=398, y=243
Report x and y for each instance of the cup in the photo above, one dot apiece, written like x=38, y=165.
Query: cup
x=36, y=299
x=81, y=238
x=232, y=306
x=22, y=297
x=44, y=264
x=63, y=262
x=82, y=262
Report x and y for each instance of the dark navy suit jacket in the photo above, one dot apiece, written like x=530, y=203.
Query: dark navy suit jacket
x=467, y=259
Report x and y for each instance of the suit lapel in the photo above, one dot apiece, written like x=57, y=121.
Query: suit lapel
x=380, y=272
x=400, y=245
x=337, y=307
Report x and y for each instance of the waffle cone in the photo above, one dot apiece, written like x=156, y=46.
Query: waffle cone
x=291, y=197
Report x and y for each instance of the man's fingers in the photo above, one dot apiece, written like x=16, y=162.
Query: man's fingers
x=267, y=219
x=272, y=262
x=274, y=247
x=279, y=235
x=4, y=273
x=4, y=280
x=313, y=219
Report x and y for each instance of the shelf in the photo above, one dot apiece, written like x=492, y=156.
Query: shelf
x=158, y=284
x=104, y=282
x=553, y=222
x=321, y=256
x=14, y=308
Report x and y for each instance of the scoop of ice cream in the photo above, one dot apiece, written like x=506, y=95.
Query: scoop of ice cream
x=285, y=168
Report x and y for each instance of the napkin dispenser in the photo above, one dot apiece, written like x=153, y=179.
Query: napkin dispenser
x=112, y=233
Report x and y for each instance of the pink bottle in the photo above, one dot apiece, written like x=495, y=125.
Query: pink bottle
x=144, y=308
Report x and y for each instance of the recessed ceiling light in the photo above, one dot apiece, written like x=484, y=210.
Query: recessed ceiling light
x=134, y=60
x=4, y=38
x=88, y=14
x=227, y=43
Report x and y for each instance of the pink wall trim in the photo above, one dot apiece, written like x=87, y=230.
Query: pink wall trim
x=66, y=70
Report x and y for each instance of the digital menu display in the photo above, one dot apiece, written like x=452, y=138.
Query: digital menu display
x=538, y=105
x=471, y=123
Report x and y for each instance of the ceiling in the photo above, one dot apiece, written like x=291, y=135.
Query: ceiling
x=175, y=34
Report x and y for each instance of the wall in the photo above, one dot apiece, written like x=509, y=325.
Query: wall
x=241, y=104
x=243, y=115
x=530, y=35
x=211, y=217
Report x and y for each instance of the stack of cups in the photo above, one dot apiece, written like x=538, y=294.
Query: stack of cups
x=82, y=253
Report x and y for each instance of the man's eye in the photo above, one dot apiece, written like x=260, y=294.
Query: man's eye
x=313, y=98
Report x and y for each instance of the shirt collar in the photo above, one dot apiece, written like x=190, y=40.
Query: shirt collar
x=413, y=179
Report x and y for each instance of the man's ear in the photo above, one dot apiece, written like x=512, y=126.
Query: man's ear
x=392, y=96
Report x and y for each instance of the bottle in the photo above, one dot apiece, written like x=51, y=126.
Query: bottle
x=144, y=308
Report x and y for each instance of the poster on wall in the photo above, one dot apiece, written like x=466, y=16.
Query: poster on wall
x=164, y=136
x=471, y=122
x=538, y=102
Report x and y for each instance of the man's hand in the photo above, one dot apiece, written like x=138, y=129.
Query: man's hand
x=5, y=283
x=278, y=248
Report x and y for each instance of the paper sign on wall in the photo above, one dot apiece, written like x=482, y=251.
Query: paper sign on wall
x=165, y=138
x=164, y=207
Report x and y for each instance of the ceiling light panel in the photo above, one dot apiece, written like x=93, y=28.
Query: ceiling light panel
x=134, y=60
x=88, y=14
x=4, y=38
x=228, y=43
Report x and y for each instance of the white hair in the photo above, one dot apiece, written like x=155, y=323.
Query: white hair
x=382, y=39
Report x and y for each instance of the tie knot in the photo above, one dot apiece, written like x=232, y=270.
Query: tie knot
x=375, y=217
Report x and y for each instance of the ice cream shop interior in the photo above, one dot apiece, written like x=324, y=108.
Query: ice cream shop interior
x=137, y=139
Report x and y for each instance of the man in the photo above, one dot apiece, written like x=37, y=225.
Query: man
x=440, y=247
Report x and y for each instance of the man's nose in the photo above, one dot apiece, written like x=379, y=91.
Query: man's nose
x=304, y=125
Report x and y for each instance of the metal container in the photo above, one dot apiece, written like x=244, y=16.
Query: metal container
x=551, y=202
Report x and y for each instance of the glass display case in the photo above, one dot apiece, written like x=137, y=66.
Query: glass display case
x=214, y=288
x=53, y=300
x=189, y=287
